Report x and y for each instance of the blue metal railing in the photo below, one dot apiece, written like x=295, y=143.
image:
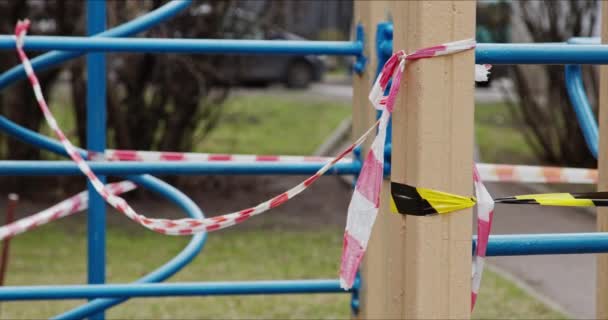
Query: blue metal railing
x=45, y=168
x=170, y=289
x=109, y=295
x=492, y=53
x=164, y=45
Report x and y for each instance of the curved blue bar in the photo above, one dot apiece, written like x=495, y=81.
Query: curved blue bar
x=166, y=270
x=33, y=138
x=170, y=289
x=134, y=26
x=219, y=46
x=582, y=108
x=46, y=168
x=154, y=184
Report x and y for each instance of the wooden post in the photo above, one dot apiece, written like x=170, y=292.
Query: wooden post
x=373, y=294
x=369, y=14
x=602, y=213
x=433, y=147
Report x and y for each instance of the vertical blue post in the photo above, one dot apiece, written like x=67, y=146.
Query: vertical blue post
x=96, y=141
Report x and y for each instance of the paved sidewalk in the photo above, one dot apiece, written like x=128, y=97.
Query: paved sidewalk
x=567, y=280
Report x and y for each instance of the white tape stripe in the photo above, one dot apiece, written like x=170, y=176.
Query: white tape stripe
x=535, y=174
x=153, y=156
x=478, y=266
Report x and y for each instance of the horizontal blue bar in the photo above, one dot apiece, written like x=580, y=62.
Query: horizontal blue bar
x=219, y=46
x=48, y=168
x=545, y=53
x=533, y=53
x=492, y=53
x=555, y=243
x=169, y=289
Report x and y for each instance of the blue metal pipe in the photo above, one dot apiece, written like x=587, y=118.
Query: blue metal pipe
x=545, y=53
x=47, y=168
x=219, y=46
x=582, y=107
x=33, y=138
x=132, y=27
x=96, y=141
x=170, y=289
x=534, y=53
x=540, y=244
x=492, y=53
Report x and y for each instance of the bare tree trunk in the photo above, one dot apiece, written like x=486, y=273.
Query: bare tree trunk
x=544, y=105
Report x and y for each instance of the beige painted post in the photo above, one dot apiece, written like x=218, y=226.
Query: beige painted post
x=369, y=14
x=433, y=147
x=602, y=213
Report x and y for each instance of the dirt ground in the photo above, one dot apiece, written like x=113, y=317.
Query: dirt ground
x=323, y=204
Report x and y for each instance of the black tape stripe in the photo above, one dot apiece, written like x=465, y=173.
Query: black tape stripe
x=404, y=190
x=591, y=195
x=600, y=202
x=408, y=200
x=416, y=207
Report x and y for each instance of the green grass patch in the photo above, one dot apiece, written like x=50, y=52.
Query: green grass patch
x=499, y=136
x=265, y=124
x=55, y=254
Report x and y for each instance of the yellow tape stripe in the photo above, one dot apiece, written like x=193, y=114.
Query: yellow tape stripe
x=393, y=206
x=444, y=202
x=544, y=195
x=557, y=199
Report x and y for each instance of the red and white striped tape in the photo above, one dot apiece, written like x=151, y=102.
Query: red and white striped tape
x=185, y=226
x=62, y=209
x=148, y=156
x=535, y=174
x=488, y=172
x=485, y=214
x=364, y=204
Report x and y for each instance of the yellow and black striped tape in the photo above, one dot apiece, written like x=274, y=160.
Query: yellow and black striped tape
x=406, y=199
x=410, y=200
x=588, y=199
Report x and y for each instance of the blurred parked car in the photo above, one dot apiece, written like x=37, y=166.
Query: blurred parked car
x=295, y=71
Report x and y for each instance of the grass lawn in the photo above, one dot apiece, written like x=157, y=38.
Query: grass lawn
x=499, y=137
x=265, y=124
x=55, y=254
x=265, y=127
